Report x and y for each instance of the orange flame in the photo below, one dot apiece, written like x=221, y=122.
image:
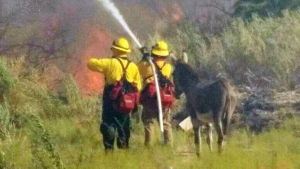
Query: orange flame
x=97, y=46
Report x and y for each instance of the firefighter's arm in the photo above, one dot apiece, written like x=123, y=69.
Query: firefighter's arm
x=167, y=70
x=138, y=81
x=98, y=65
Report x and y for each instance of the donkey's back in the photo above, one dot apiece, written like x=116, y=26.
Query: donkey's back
x=213, y=97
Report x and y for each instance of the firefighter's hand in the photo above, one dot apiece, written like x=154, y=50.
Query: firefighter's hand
x=143, y=50
x=146, y=56
x=145, y=53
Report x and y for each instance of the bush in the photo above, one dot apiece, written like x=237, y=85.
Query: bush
x=77, y=104
x=262, y=53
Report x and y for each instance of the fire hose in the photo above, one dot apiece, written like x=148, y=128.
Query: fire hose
x=148, y=57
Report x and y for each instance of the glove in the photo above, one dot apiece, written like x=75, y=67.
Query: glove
x=144, y=50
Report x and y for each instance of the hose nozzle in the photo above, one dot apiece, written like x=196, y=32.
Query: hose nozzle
x=145, y=53
x=144, y=50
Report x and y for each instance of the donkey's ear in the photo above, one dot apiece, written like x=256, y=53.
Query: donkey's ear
x=173, y=58
x=184, y=56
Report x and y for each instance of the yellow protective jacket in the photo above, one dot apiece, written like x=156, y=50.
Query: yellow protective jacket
x=112, y=69
x=146, y=70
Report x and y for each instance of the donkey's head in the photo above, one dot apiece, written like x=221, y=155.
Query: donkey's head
x=183, y=75
x=178, y=86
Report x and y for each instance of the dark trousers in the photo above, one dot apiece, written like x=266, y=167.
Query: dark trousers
x=114, y=125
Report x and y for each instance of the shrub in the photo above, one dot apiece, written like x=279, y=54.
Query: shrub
x=263, y=52
x=77, y=104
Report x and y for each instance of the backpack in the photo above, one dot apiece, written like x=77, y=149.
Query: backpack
x=166, y=90
x=124, y=94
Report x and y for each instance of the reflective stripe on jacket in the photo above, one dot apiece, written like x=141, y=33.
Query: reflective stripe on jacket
x=113, y=71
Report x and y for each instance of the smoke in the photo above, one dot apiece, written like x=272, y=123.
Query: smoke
x=112, y=8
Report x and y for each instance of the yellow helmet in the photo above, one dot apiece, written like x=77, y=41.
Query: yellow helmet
x=160, y=49
x=121, y=44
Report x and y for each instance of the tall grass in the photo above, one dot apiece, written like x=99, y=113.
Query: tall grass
x=44, y=153
x=81, y=147
x=6, y=78
x=25, y=103
x=78, y=105
x=5, y=122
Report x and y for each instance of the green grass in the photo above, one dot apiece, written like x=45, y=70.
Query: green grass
x=79, y=145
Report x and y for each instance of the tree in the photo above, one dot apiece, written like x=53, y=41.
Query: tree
x=41, y=30
x=49, y=35
x=22, y=30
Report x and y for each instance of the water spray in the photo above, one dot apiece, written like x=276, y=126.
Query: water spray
x=112, y=8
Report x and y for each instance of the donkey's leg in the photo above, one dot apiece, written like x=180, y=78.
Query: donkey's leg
x=219, y=129
x=197, y=135
x=198, y=143
x=218, y=119
x=209, y=138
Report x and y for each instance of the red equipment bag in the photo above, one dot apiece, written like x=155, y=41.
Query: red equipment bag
x=126, y=103
x=115, y=92
x=124, y=94
x=167, y=95
x=151, y=90
x=148, y=94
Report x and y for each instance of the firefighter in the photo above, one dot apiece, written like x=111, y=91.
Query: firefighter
x=150, y=113
x=115, y=124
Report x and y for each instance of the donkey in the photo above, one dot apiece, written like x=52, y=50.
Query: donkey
x=211, y=104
